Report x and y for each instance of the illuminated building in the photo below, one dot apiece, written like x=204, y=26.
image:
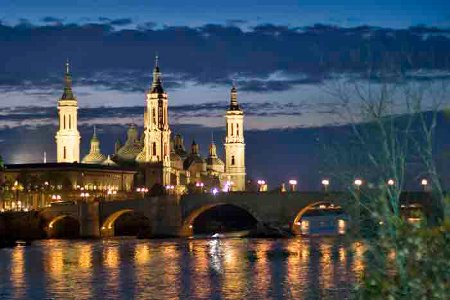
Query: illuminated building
x=68, y=137
x=234, y=144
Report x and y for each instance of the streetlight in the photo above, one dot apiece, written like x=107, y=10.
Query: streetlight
x=84, y=196
x=214, y=191
x=293, y=184
x=142, y=190
x=325, y=183
x=170, y=188
x=262, y=186
x=111, y=193
x=56, y=197
x=424, y=183
x=391, y=182
x=358, y=182
x=227, y=187
x=200, y=186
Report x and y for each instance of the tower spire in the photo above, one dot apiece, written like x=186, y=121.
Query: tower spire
x=212, y=147
x=156, y=84
x=67, y=66
x=233, y=99
x=68, y=93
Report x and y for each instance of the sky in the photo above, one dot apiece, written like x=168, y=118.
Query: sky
x=284, y=57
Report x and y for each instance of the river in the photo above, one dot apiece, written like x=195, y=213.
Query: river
x=125, y=268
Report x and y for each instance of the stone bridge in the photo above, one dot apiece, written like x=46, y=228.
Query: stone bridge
x=174, y=216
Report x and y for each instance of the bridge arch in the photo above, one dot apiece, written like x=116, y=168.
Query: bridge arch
x=298, y=226
x=107, y=229
x=53, y=231
x=187, y=229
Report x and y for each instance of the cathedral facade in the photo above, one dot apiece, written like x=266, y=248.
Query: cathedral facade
x=160, y=157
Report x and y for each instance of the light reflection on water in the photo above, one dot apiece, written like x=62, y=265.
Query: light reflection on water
x=181, y=269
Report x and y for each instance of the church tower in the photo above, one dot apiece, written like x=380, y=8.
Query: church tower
x=156, y=128
x=234, y=145
x=68, y=137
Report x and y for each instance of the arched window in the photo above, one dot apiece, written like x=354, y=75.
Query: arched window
x=165, y=149
x=64, y=121
x=70, y=121
x=237, y=129
x=154, y=115
x=232, y=160
x=154, y=148
x=232, y=129
x=64, y=153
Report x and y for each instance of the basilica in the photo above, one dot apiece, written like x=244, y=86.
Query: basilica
x=159, y=156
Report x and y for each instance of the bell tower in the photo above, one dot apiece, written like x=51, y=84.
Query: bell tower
x=156, y=127
x=67, y=137
x=235, y=145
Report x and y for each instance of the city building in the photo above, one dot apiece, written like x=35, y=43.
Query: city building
x=152, y=158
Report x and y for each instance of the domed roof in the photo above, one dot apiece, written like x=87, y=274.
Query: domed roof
x=132, y=146
x=93, y=158
x=193, y=159
x=109, y=162
x=176, y=161
x=211, y=161
x=129, y=151
x=141, y=156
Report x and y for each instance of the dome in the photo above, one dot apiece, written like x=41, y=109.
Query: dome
x=141, y=156
x=132, y=147
x=176, y=161
x=191, y=160
x=109, y=162
x=213, y=161
x=94, y=156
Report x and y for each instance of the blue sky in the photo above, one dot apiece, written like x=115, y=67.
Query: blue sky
x=282, y=55
x=395, y=13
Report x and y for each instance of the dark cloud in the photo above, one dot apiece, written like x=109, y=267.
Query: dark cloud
x=52, y=20
x=146, y=26
x=38, y=114
x=121, y=22
x=213, y=54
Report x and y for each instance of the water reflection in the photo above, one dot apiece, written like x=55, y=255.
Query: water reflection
x=179, y=269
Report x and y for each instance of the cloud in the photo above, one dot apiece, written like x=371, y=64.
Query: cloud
x=212, y=54
x=259, y=116
x=53, y=20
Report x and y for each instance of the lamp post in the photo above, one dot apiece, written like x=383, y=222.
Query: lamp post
x=111, y=193
x=142, y=190
x=170, y=189
x=262, y=186
x=424, y=183
x=200, y=186
x=227, y=187
x=325, y=183
x=293, y=185
x=56, y=198
x=358, y=183
x=84, y=196
x=391, y=182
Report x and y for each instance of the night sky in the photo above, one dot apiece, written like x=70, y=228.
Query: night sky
x=282, y=55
